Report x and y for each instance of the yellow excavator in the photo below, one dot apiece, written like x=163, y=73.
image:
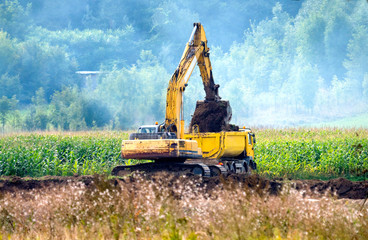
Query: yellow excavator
x=212, y=146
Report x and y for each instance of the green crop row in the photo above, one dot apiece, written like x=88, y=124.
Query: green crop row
x=295, y=153
x=59, y=154
x=317, y=153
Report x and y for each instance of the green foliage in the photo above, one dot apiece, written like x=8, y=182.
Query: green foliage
x=46, y=66
x=316, y=153
x=14, y=18
x=95, y=113
x=305, y=78
x=26, y=66
x=294, y=153
x=67, y=110
x=357, y=62
x=92, y=47
x=126, y=90
x=8, y=52
x=10, y=85
x=37, y=118
x=278, y=62
x=63, y=155
x=312, y=65
x=6, y=106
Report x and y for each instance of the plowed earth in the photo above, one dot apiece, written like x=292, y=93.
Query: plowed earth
x=340, y=187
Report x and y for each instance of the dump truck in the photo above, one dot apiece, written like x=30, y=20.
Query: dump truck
x=211, y=147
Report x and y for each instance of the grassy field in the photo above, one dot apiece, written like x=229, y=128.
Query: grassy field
x=291, y=153
x=167, y=207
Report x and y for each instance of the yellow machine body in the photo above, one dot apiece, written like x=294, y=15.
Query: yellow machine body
x=205, y=145
x=194, y=145
x=160, y=149
x=224, y=144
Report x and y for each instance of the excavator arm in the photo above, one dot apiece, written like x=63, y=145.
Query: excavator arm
x=196, y=52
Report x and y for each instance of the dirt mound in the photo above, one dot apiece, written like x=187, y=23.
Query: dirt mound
x=14, y=184
x=212, y=116
x=340, y=187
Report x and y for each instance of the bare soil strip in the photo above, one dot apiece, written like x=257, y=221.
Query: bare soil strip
x=340, y=187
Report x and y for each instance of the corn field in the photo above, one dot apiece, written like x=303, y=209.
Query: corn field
x=291, y=153
x=315, y=153
x=37, y=155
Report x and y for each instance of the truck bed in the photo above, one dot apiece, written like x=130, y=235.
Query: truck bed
x=223, y=144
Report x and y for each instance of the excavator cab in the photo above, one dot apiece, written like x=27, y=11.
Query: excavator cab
x=146, y=132
x=148, y=129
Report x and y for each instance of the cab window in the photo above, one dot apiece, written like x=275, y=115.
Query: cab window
x=147, y=130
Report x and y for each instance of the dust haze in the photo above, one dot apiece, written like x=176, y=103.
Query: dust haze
x=279, y=63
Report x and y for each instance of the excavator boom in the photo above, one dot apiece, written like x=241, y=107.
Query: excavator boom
x=196, y=52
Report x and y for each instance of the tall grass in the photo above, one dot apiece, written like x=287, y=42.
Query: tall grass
x=165, y=208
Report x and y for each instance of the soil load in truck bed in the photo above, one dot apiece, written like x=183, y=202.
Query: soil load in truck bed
x=212, y=116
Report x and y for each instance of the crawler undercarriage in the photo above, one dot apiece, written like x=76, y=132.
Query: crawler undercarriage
x=195, y=166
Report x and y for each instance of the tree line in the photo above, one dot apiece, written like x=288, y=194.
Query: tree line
x=278, y=62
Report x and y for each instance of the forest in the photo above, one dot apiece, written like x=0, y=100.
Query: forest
x=103, y=64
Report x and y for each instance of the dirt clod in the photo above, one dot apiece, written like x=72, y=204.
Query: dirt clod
x=212, y=116
x=340, y=187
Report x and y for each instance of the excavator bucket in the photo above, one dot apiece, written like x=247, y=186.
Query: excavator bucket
x=211, y=116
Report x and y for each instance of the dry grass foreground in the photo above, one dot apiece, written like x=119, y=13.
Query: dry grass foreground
x=173, y=207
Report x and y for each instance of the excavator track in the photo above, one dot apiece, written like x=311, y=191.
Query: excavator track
x=218, y=170
x=205, y=169
x=177, y=168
